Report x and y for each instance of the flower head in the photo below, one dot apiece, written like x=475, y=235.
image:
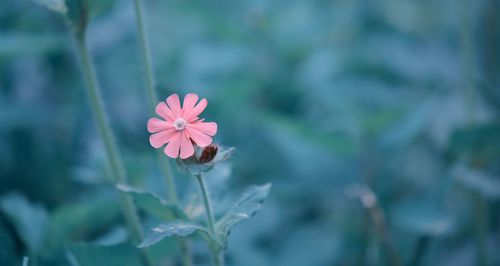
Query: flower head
x=181, y=127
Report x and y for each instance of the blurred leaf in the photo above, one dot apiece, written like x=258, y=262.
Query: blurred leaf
x=8, y=249
x=295, y=253
x=14, y=45
x=96, y=255
x=114, y=236
x=249, y=203
x=153, y=204
x=30, y=220
x=79, y=220
x=25, y=261
x=410, y=126
x=176, y=228
x=338, y=143
x=423, y=217
x=54, y=5
x=486, y=185
x=100, y=7
x=479, y=141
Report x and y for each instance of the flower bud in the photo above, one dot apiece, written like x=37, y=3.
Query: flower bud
x=207, y=154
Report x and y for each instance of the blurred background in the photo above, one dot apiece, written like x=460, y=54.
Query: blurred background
x=377, y=123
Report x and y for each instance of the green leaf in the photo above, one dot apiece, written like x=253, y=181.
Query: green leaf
x=175, y=228
x=153, y=204
x=30, y=220
x=249, y=203
x=478, y=181
x=78, y=221
x=8, y=252
x=338, y=143
x=58, y=6
x=480, y=142
x=96, y=255
x=422, y=216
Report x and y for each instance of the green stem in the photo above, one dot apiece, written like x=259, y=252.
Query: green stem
x=149, y=81
x=481, y=228
x=145, y=54
x=185, y=251
x=218, y=256
x=423, y=244
x=114, y=159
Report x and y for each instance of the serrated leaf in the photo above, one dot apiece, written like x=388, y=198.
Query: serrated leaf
x=169, y=229
x=58, y=6
x=97, y=255
x=30, y=220
x=153, y=204
x=486, y=185
x=249, y=203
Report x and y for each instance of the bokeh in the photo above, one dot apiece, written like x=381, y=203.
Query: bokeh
x=377, y=122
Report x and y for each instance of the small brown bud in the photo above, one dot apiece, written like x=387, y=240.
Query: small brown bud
x=208, y=153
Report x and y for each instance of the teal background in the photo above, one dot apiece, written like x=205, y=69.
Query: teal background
x=393, y=101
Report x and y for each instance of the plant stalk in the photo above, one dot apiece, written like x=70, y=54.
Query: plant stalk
x=423, y=244
x=149, y=83
x=117, y=169
x=469, y=69
x=376, y=214
x=218, y=256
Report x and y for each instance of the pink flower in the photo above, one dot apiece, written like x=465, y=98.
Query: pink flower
x=181, y=128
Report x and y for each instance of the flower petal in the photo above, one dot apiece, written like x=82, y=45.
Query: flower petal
x=199, y=138
x=175, y=105
x=209, y=128
x=165, y=112
x=158, y=139
x=187, y=148
x=189, y=101
x=196, y=110
x=172, y=148
x=155, y=125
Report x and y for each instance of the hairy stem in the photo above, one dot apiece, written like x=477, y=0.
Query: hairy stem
x=218, y=256
x=376, y=214
x=117, y=170
x=149, y=84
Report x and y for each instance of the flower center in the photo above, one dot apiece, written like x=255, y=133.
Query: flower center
x=180, y=123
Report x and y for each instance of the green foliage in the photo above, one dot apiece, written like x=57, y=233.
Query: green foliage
x=246, y=206
x=95, y=255
x=153, y=204
x=30, y=220
x=54, y=5
x=76, y=221
x=169, y=229
x=486, y=185
x=398, y=96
